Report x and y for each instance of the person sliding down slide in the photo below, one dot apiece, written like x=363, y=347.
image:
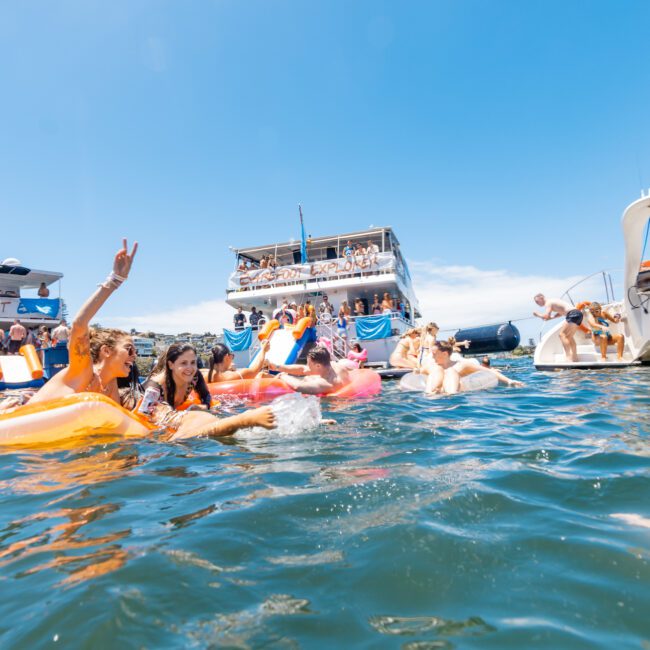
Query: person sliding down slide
x=445, y=376
x=99, y=357
x=319, y=377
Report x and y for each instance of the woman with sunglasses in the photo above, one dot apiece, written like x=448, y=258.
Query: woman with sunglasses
x=97, y=356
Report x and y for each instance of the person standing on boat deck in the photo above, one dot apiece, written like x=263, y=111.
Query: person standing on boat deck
x=376, y=309
x=372, y=249
x=254, y=318
x=359, y=308
x=326, y=307
x=17, y=334
x=310, y=312
x=445, y=376
x=239, y=319
x=387, y=304
x=348, y=251
x=555, y=308
x=342, y=324
x=60, y=334
x=319, y=376
x=599, y=321
x=43, y=291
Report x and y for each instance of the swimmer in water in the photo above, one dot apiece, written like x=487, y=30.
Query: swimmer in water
x=319, y=377
x=176, y=381
x=221, y=364
x=446, y=375
x=99, y=356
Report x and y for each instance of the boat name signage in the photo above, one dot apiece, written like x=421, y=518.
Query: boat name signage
x=310, y=271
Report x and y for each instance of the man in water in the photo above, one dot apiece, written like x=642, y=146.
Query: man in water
x=319, y=376
x=445, y=376
x=555, y=308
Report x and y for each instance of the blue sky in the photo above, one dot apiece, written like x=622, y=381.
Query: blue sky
x=502, y=138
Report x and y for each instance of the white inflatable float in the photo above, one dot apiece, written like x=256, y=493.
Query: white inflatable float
x=480, y=380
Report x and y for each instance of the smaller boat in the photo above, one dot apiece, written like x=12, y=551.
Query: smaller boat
x=633, y=308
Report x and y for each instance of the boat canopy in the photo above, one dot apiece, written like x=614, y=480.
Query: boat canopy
x=20, y=277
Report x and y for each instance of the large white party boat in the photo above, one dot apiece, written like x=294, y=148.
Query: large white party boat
x=633, y=308
x=19, y=298
x=309, y=270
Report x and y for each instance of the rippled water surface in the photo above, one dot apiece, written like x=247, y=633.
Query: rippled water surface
x=513, y=518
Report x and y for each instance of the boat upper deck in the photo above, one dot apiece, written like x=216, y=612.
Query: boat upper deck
x=368, y=257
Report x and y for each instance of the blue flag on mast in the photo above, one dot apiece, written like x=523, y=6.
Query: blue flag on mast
x=303, y=240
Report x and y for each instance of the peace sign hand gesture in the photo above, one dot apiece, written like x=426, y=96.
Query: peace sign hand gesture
x=123, y=260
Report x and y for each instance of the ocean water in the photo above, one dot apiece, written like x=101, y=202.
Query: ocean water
x=513, y=518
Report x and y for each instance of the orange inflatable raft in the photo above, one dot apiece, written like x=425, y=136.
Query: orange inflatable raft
x=73, y=416
x=363, y=383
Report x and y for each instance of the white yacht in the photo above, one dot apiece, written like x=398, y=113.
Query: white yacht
x=319, y=267
x=634, y=307
x=19, y=298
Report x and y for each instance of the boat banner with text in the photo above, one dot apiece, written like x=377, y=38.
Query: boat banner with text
x=329, y=269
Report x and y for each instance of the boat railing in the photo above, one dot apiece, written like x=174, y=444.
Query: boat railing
x=599, y=286
x=324, y=270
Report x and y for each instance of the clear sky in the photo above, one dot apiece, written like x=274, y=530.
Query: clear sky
x=502, y=140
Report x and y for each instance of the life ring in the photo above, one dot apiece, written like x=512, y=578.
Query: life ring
x=73, y=416
x=363, y=383
x=480, y=380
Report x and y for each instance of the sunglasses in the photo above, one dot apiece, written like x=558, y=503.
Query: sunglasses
x=130, y=350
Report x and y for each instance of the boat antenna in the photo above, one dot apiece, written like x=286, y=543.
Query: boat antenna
x=303, y=240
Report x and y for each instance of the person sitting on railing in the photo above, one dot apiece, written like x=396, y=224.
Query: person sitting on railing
x=405, y=355
x=555, y=308
x=376, y=307
x=387, y=304
x=599, y=321
x=43, y=291
x=319, y=377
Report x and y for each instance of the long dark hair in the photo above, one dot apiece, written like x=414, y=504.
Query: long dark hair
x=217, y=355
x=174, y=351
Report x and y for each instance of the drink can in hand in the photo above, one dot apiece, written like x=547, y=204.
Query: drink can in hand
x=149, y=400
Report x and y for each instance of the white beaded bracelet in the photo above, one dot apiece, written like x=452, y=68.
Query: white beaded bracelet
x=112, y=281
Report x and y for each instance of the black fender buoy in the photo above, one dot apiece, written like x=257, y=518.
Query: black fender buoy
x=502, y=337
